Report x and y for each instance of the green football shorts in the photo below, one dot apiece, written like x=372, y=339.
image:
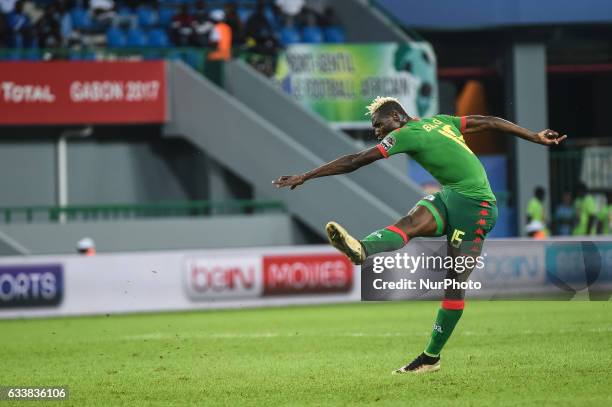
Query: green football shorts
x=465, y=221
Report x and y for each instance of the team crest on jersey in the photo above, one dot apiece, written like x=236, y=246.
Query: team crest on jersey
x=388, y=142
x=430, y=198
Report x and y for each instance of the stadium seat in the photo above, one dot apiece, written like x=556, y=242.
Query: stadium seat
x=158, y=38
x=80, y=18
x=289, y=35
x=136, y=38
x=312, y=35
x=147, y=17
x=165, y=16
x=334, y=35
x=115, y=38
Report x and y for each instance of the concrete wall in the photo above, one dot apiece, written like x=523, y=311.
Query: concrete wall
x=364, y=23
x=102, y=171
x=388, y=183
x=160, y=234
x=258, y=152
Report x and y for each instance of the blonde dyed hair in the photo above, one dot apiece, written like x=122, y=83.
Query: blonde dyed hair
x=378, y=102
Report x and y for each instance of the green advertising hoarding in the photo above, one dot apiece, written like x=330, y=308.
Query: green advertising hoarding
x=338, y=80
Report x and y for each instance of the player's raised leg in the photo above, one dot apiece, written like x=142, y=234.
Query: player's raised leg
x=419, y=222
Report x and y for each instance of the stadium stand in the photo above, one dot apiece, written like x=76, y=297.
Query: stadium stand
x=152, y=24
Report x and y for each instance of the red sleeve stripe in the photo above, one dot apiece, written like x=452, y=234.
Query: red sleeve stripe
x=400, y=232
x=382, y=150
x=453, y=304
x=463, y=124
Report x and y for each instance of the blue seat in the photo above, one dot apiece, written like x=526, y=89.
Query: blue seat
x=80, y=18
x=312, y=35
x=115, y=38
x=334, y=35
x=136, y=38
x=289, y=35
x=165, y=16
x=158, y=38
x=147, y=17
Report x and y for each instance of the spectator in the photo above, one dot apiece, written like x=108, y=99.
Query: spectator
x=605, y=216
x=181, y=27
x=232, y=19
x=48, y=28
x=261, y=42
x=289, y=10
x=535, y=208
x=258, y=28
x=585, y=206
x=7, y=6
x=4, y=32
x=19, y=26
x=103, y=12
x=221, y=37
x=69, y=35
x=564, y=216
x=202, y=24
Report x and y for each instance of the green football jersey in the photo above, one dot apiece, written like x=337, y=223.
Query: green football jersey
x=438, y=145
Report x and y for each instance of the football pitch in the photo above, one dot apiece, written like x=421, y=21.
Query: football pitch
x=502, y=353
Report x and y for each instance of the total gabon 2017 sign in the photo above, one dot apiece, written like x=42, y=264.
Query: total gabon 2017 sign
x=120, y=92
x=338, y=81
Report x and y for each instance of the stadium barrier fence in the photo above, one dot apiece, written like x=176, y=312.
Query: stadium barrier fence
x=38, y=286
x=126, y=211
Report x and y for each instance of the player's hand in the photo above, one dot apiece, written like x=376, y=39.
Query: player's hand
x=549, y=137
x=292, y=181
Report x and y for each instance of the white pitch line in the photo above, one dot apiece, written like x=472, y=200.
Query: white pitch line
x=267, y=335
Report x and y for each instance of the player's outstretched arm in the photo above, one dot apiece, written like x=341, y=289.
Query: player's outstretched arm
x=477, y=124
x=342, y=165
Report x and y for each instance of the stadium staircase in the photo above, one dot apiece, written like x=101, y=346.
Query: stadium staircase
x=259, y=133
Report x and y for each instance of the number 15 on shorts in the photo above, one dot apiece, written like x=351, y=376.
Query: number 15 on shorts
x=457, y=238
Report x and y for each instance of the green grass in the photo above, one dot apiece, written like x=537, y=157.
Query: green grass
x=502, y=353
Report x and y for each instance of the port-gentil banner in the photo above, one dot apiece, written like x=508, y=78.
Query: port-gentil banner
x=338, y=80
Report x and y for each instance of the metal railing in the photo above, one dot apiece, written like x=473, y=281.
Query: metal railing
x=591, y=165
x=31, y=214
x=195, y=57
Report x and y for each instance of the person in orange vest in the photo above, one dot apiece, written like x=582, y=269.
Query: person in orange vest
x=221, y=36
